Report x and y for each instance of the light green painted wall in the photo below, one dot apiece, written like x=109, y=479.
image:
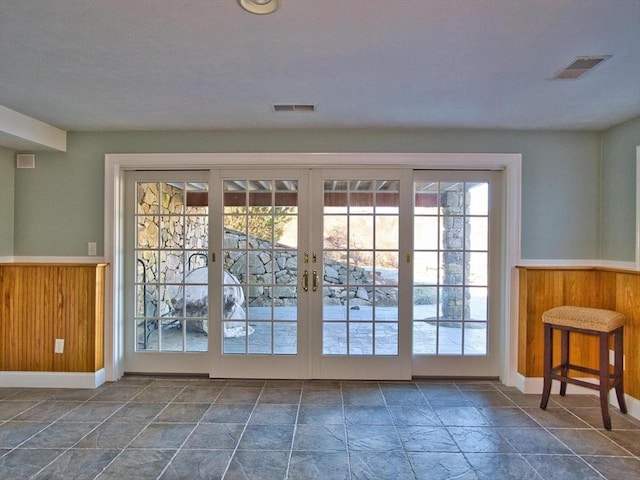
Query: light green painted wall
x=7, y=164
x=59, y=205
x=619, y=191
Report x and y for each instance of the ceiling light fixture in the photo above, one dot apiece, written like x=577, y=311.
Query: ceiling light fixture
x=260, y=7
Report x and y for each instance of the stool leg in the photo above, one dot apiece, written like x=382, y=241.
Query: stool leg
x=548, y=358
x=564, y=360
x=604, y=379
x=618, y=368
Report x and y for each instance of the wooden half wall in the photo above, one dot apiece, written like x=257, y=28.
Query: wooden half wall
x=40, y=303
x=543, y=288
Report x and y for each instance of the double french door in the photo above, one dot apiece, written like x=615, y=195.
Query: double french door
x=308, y=273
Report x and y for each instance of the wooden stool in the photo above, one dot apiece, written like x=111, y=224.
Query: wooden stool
x=591, y=321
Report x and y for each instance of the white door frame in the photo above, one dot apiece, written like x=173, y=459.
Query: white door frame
x=117, y=164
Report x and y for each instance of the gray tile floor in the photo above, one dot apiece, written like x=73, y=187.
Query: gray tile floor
x=178, y=428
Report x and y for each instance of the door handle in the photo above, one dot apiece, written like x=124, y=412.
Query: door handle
x=315, y=280
x=305, y=281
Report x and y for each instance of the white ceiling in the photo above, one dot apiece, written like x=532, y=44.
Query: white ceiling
x=207, y=64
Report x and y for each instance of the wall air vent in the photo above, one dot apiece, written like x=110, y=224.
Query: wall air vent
x=578, y=67
x=294, y=107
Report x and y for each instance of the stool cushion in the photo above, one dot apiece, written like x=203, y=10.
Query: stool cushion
x=596, y=319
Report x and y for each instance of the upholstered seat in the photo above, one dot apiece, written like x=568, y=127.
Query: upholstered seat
x=591, y=321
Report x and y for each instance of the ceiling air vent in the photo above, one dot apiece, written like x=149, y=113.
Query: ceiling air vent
x=578, y=67
x=294, y=107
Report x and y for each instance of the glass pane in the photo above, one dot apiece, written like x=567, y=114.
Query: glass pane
x=285, y=338
x=361, y=232
x=359, y=307
x=171, y=336
x=147, y=335
x=236, y=223
x=286, y=231
x=476, y=268
x=451, y=303
x=148, y=231
x=452, y=198
x=426, y=198
x=425, y=268
x=260, y=340
x=286, y=267
x=360, y=339
x=425, y=233
x=335, y=231
x=148, y=198
x=196, y=260
x=387, y=232
x=197, y=198
x=259, y=303
x=450, y=338
x=478, y=198
x=424, y=338
x=453, y=233
x=172, y=300
x=386, y=339
x=477, y=233
x=334, y=304
x=386, y=268
x=146, y=266
x=475, y=338
x=196, y=300
x=452, y=272
x=172, y=198
x=477, y=298
x=334, y=338
x=361, y=267
x=234, y=336
x=172, y=232
x=386, y=301
x=233, y=298
x=235, y=264
x=424, y=302
x=196, y=338
x=196, y=232
x=147, y=302
x=172, y=266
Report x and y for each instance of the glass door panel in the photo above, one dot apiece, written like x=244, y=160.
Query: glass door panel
x=360, y=304
x=168, y=257
x=260, y=285
x=453, y=277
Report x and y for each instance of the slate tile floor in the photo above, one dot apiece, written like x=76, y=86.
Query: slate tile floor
x=179, y=428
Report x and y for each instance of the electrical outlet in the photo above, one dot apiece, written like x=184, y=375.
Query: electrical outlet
x=59, y=346
x=92, y=248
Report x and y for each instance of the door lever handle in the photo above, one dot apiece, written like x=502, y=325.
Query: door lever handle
x=305, y=281
x=315, y=280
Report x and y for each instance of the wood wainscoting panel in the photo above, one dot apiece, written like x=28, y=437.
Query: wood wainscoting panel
x=541, y=289
x=45, y=302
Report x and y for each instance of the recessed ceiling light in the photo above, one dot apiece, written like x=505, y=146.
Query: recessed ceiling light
x=260, y=7
x=579, y=66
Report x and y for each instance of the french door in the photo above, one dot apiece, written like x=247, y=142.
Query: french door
x=311, y=273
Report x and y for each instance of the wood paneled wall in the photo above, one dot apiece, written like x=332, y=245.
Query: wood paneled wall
x=42, y=302
x=543, y=288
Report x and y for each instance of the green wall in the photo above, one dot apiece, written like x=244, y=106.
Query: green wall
x=7, y=163
x=619, y=191
x=59, y=205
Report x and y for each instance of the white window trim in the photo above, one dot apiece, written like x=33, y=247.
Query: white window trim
x=117, y=164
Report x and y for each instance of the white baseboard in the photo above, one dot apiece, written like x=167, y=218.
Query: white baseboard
x=576, y=263
x=52, y=379
x=6, y=259
x=534, y=385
